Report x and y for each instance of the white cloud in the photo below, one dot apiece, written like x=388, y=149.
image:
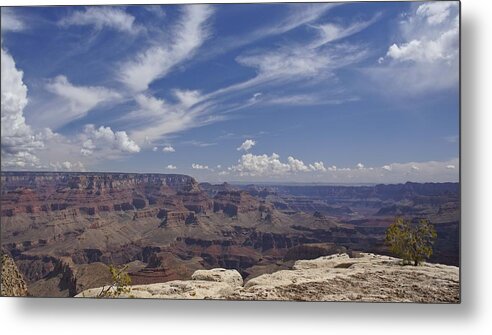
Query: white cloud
x=154, y=149
x=436, y=12
x=171, y=167
x=187, y=98
x=154, y=63
x=67, y=166
x=444, y=48
x=320, y=166
x=103, y=17
x=11, y=21
x=259, y=165
x=155, y=118
x=246, y=145
x=292, y=63
x=71, y=102
x=264, y=165
x=330, y=32
x=106, y=142
x=287, y=62
x=157, y=10
x=168, y=148
x=19, y=143
x=296, y=165
x=196, y=166
x=297, y=15
x=426, y=56
x=265, y=168
x=308, y=100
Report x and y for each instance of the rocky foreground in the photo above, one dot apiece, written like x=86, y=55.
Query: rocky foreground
x=12, y=282
x=368, y=278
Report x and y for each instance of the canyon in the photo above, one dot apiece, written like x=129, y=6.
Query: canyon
x=64, y=229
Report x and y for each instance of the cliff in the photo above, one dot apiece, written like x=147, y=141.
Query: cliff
x=366, y=278
x=13, y=284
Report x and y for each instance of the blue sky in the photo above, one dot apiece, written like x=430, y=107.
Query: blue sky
x=335, y=93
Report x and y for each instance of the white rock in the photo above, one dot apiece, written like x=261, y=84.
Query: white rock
x=231, y=277
x=332, y=278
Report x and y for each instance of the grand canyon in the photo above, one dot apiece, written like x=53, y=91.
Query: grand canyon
x=63, y=229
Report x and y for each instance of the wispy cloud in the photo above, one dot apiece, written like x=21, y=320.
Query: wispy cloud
x=103, y=17
x=154, y=63
x=11, y=21
x=157, y=118
x=330, y=32
x=71, y=102
x=296, y=16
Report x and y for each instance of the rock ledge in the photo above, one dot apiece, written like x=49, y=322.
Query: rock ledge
x=331, y=278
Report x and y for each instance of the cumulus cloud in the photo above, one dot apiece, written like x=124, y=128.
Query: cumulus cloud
x=431, y=34
x=320, y=166
x=426, y=58
x=196, y=166
x=67, y=166
x=11, y=21
x=103, y=17
x=19, y=143
x=72, y=102
x=171, y=167
x=155, y=62
x=154, y=149
x=104, y=140
x=168, y=148
x=264, y=165
x=296, y=165
x=246, y=145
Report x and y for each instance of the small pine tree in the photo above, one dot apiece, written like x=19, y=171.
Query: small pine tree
x=411, y=242
x=120, y=283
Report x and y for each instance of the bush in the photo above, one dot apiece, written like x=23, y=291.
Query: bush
x=120, y=283
x=411, y=242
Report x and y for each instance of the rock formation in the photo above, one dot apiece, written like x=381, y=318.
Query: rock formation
x=12, y=283
x=368, y=277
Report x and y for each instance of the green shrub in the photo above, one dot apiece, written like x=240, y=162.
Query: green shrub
x=411, y=242
x=120, y=283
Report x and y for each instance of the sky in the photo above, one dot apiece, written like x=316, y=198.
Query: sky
x=316, y=93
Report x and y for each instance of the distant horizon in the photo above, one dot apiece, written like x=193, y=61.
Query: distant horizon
x=232, y=182
x=330, y=93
